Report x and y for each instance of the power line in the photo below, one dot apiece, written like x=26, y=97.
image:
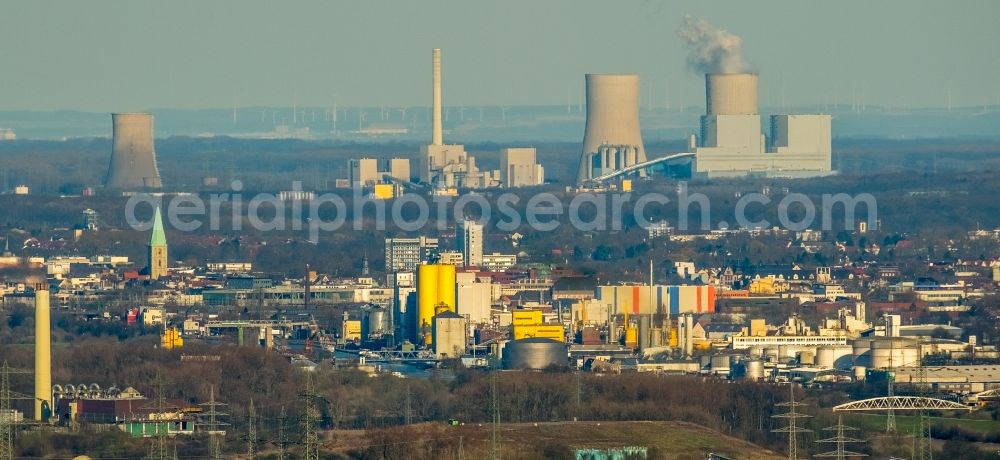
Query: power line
x=793, y=428
x=495, y=396
x=310, y=419
x=213, y=424
x=8, y=423
x=840, y=440
x=251, y=432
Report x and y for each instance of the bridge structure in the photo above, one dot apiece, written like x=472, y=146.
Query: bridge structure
x=988, y=395
x=886, y=403
x=640, y=166
x=396, y=356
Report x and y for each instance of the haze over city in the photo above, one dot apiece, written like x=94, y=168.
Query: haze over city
x=108, y=56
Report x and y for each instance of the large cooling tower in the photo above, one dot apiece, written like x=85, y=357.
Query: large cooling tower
x=731, y=93
x=133, y=160
x=612, y=120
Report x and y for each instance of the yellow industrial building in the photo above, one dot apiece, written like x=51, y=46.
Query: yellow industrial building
x=171, y=338
x=528, y=323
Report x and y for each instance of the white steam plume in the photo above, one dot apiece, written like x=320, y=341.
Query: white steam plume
x=712, y=50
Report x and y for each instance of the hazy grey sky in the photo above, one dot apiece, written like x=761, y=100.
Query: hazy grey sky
x=134, y=55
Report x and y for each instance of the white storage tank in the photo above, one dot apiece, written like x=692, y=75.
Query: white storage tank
x=754, y=369
x=720, y=364
x=892, y=352
x=807, y=358
x=835, y=356
x=859, y=373
x=771, y=352
x=862, y=350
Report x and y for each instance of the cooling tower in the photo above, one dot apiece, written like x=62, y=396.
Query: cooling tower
x=43, y=355
x=731, y=94
x=133, y=160
x=612, y=120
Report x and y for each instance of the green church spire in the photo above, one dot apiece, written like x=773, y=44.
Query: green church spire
x=158, y=238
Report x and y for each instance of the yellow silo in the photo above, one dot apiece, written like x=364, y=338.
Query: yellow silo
x=446, y=286
x=427, y=297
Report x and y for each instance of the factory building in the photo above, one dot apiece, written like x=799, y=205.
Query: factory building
x=133, y=159
x=611, y=139
x=665, y=299
x=450, y=335
x=731, y=142
x=469, y=239
x=474, y=297
x=519, y=168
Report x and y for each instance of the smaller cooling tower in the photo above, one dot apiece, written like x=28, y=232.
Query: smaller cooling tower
x=731, y=94
x=133, y=159
x=612, y=121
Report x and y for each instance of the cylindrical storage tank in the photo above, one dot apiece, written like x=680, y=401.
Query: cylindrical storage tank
x=807, y=358
x=373, y=321
x=534, y=353
x=859, y=373
x=644, y=322
x=720, y=364
x=756, y=350
x=892, y=352
x=655, y=337
x=755, y=369
x=834, y=356
x=862, y=351
x=731, y=94
x=612, y=117
x=770, y=352
x=446, y=285
x=784, y=352
x=427, y=286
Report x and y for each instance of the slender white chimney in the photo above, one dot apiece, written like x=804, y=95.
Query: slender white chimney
x=43, y=354
x=436, y=137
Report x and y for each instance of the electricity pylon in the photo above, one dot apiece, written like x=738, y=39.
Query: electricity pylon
x=792, y=428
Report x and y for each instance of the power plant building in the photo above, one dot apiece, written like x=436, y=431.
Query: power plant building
x=612, y=139
x=731, y=142
x=448, y=165
x=519, y=168
x=133, y=159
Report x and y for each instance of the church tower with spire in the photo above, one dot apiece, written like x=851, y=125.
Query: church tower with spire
x=157, y=260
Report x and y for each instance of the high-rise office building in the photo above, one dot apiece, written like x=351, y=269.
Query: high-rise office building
x=469, y=239
x=404, y=254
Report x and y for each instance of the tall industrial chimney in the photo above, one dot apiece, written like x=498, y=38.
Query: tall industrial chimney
x=436, y=136
x=133, y=159
x=43, y=354
x=612, y=122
